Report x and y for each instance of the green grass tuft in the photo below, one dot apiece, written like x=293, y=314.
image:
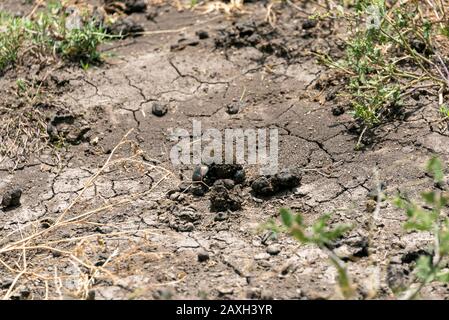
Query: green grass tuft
x=47, y=34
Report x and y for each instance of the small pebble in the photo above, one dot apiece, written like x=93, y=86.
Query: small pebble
x=91, y=295
x=5, y=283
x=261, y=256
x=201, y=34
x=46, y=223
x=159, y=110
x=221, y=216
x=344, y=252
x=174, y=196
x=225, y=291
x=163, y=294
x=11, y=198
x=21, y=293
x=396, y=260
x=273, y=249
x=309, y=24
x=203, y=255
x=338, y=110
x=233, y=108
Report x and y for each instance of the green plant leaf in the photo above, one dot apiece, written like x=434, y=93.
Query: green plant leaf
x=444, y=238
x=287, y=217
x=429, y=197
x=424, y=269
x=420, y=219
x=442, y=276
x=435, y=168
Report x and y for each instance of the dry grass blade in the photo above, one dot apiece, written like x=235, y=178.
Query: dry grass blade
x=22, y=258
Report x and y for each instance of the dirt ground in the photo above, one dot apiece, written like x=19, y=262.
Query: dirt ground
x=149, y=239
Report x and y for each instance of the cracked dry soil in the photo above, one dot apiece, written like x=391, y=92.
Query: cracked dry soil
x=151, y=239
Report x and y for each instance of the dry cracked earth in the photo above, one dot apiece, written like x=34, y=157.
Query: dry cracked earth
x=126, y=211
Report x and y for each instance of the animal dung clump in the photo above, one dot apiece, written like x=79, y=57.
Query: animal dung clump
x=270, y=185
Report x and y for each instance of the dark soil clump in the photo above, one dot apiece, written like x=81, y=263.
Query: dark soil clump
x=270, y=185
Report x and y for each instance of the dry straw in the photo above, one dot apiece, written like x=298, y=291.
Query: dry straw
x=22, y=253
